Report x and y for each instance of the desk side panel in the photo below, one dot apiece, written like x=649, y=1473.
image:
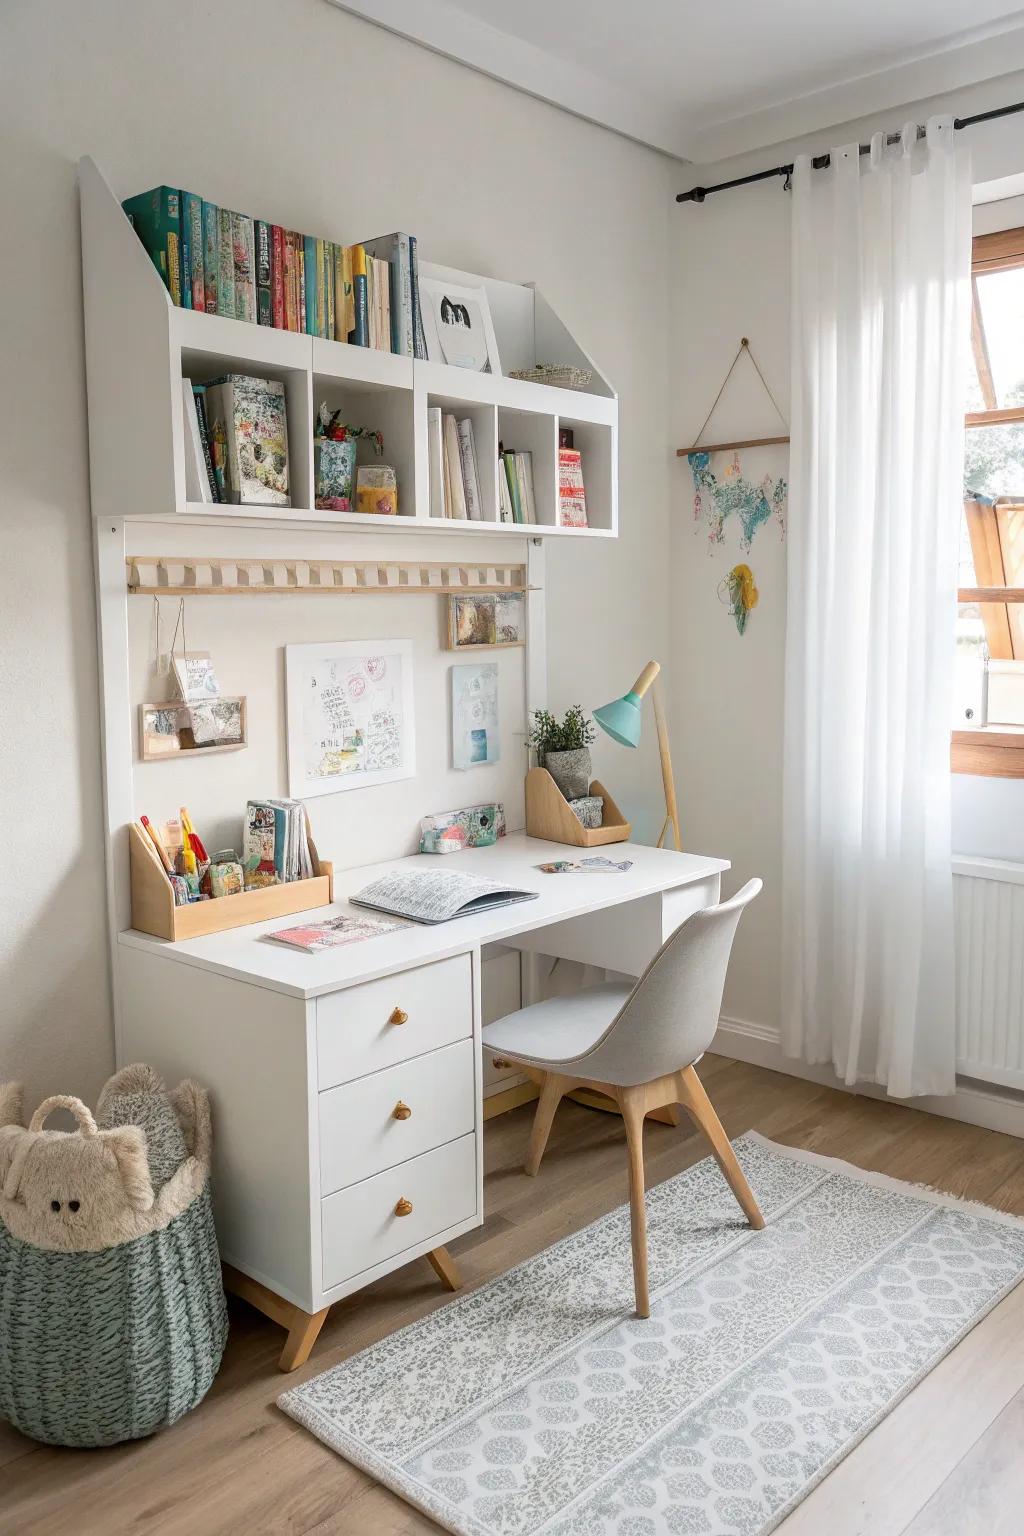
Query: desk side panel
x=623, y=938
x=252, y=1050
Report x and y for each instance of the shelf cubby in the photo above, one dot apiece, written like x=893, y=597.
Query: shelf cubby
x=382, y=408
x=484, y=419
x=596, y=445
x=536, y=434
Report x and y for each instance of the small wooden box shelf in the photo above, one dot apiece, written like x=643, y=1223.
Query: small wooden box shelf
x=153, y=909
x=548, y=815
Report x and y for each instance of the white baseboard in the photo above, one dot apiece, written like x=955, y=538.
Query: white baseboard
x=996, y=1109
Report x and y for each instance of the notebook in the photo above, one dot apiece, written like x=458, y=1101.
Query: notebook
x=332, y=933
x=436, y=896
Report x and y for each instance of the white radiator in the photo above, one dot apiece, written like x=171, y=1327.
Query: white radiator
x=989, y=936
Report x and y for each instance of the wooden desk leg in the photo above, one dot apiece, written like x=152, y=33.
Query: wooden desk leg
x=302, y=1335
x=444, y=1267
x=303, y=1328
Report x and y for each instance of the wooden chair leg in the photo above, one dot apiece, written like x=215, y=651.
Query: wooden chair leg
x=445, y=1268
x=693, y=1098
x=552, y=1090
x=632, y=1103
x=302, y=1335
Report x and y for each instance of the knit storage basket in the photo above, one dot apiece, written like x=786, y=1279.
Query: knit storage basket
x=112, y=1314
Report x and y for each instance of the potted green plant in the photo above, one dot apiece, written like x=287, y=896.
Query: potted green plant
x=563, y=748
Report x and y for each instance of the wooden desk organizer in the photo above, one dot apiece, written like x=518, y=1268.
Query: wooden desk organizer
x=153, y=909
x=548, y=815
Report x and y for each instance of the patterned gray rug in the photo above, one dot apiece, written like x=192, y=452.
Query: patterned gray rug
x=540, y=1404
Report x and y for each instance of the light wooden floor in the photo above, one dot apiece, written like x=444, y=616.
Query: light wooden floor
x=946, y=1462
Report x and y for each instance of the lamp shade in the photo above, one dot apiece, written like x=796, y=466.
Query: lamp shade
x=621, y=719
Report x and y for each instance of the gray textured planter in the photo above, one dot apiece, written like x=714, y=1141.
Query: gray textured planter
x=570, y=771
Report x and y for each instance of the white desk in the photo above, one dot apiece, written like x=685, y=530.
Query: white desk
x=307, y=1057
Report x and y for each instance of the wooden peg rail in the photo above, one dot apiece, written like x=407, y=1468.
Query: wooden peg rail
x=181, y=576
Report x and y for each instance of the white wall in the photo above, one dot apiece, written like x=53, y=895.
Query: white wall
x=732, y=279
x=296, y=111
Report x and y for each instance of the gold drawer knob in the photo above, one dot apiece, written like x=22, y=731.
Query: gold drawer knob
x=401, y=1111
x=398, y=1016
x=500, y=1063
x=404, y=1207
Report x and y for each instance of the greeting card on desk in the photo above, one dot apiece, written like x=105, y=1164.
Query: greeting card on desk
x=332, y=933
x=435, y=896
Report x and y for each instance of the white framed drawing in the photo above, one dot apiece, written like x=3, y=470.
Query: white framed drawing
x=457, y=326
x=350, y=715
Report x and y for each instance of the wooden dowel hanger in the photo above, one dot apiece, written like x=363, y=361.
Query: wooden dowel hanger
x=743, y=442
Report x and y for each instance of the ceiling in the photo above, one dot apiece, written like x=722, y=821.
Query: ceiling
x=703, y=80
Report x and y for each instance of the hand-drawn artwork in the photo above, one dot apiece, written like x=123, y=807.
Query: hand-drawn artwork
x=738, y=590
x=475, y=739
x=350, y=715
x=716, y=499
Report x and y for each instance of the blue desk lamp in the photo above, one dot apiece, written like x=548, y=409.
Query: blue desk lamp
x=621, y=720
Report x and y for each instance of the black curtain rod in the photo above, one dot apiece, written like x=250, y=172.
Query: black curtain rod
x=698, y=194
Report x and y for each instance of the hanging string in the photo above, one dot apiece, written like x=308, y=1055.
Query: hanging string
x=180, y=624
x=744, y=346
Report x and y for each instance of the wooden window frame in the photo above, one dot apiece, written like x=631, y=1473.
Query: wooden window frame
x=995, y=751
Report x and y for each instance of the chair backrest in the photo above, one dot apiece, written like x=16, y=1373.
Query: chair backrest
x=670, y=1017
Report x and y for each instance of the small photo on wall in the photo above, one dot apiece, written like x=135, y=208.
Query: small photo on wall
x=486, y=619
x=475, y=737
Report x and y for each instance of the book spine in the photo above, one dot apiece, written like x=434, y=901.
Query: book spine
x=277, y=315
x=513, y=487
x=211, y=257
x=572, y=499
x=225, y=264
x=360, y=336
x=453, y=455
x=330, y=251
x=262, y=261
x=245, y=274
x=174, y=267
x=217, y=432
x=348, y=312
x=199, y=390
x=435, y=449
x=290, y=313
x=310, y=286
x=300, y=280
x=156, y=218
x=419, y=340
x=338, y=331
x=467, y=460
x=192, y=220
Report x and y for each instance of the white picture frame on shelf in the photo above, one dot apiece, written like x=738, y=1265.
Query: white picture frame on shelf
x=457, y=326
x=350, y=715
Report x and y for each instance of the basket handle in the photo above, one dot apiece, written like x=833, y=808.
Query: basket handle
x=81, y=1112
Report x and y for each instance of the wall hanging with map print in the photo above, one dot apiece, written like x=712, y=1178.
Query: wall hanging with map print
x=350, y=715
x=724, y=492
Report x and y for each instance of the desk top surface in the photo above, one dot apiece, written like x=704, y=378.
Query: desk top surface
x=247, y=955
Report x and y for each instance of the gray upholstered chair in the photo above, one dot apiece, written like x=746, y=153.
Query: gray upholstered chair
x=637, y=1045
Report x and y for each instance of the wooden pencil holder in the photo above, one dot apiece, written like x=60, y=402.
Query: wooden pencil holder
x=548, y=815
x=153, y=909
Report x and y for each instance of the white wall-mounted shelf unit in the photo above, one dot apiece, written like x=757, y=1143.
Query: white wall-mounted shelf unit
x=140, y=346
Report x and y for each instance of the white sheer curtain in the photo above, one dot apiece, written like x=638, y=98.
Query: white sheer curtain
x=881, y=296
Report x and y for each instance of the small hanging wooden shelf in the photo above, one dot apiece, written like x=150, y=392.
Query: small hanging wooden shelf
x=743, y=442
x=187, y=576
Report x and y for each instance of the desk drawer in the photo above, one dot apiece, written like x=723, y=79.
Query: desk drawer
x=360, y=1133
x=360, y=1227
x=358, y=1030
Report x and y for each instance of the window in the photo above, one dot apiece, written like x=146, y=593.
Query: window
x=988, y=727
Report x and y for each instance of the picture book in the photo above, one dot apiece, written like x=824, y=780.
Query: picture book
x=247, y=425
x=572, y=500
x=333, y=932
x=225, y=264
x=156, y=218
x=192, y=235
x=261, y=242
x=437, y=896
x=244, y=254
x=211, y=256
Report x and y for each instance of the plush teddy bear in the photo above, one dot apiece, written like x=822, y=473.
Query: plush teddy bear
x=80, y=1191
x=112, y=1313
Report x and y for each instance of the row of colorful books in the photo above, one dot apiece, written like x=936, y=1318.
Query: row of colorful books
x=225, y=263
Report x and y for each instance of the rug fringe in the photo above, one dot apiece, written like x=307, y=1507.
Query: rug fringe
x=885, y=1181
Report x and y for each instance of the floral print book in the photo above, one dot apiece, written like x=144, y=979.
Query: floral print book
x=248, y=430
